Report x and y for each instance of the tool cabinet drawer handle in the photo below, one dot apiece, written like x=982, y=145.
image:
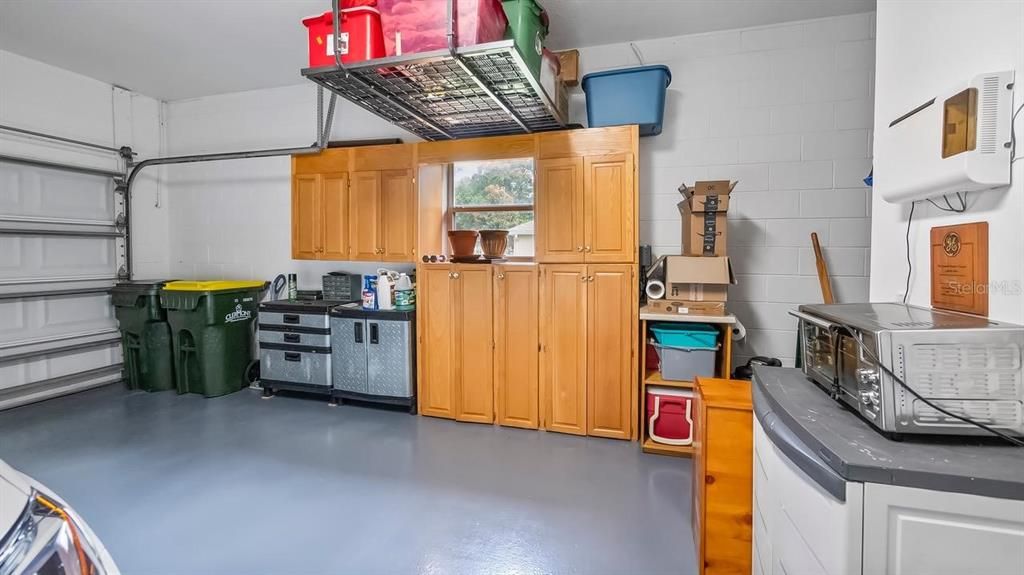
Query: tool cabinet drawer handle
x=292, y=338
x=374, y=334
x=290, y=318
x=359, y=332
x=292, y=356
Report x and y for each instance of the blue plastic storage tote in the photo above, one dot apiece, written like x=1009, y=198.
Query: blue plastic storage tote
x=688, y=335
x=629, y=96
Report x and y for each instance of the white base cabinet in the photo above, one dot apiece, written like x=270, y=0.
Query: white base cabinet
x=799, y=527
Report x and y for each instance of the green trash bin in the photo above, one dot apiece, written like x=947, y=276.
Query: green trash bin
x=212, y=326
x=528, y=26
x=145, y=335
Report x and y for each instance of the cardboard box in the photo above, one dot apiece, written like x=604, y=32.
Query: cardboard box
x=697, y=278
x=704, y=233
x=570, y=62
x=716, y=308
x=703, y=212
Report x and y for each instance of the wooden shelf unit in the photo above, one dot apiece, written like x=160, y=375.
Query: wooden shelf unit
x=653, y=376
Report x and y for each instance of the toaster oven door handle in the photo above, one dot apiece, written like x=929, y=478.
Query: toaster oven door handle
x=812, y=319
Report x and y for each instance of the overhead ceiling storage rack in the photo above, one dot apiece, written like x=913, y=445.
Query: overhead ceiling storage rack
x=464, y=92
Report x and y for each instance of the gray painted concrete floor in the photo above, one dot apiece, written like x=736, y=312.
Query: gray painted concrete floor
x=239, y=485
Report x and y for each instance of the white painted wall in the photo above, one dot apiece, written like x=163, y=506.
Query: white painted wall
x=233, y=219
x=923, y=47
x=787, y=111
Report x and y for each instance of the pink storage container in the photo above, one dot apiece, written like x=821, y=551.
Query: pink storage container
x=412, y=26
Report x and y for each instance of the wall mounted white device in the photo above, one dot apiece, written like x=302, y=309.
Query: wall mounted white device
x=959, y=141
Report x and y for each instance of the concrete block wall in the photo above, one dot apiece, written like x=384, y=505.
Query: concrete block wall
x=787, y=110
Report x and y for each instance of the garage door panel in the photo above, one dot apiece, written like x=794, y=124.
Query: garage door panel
x=19, y=373
x=35, y=318
x=11, y=260
x=94, y=255
x=29, y=191
x=77, y=313
x=58, y=235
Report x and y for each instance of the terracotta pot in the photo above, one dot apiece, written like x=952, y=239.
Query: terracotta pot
x=494, y=242
x=463, y=242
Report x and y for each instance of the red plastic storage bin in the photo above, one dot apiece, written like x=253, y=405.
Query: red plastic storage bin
x=413, y=26
x=669, y=415
x=360, y=25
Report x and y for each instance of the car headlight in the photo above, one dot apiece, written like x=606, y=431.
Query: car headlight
x=46, y=541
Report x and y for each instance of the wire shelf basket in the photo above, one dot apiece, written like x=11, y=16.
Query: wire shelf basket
x=481, y=90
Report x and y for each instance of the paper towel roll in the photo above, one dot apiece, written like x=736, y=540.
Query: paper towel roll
x=655, y=289
x=738, y=331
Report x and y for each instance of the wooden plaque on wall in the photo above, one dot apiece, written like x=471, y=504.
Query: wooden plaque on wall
x=960, y=268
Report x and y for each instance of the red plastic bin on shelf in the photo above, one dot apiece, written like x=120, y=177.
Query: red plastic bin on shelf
x=360, y=24
x=413, y=26
x=669, y=415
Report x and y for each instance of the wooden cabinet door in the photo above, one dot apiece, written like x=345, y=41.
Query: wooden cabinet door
x=609, y=209
x=474, y=343
x=364, y=216
x=515, y=345
x=611, y=331
x=559, y=211
x=435, y=296
x=306, y=217
x=563, y=329
x=334, y=215
x=398, y=216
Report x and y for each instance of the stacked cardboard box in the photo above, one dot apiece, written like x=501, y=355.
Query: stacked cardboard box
x=697, y=282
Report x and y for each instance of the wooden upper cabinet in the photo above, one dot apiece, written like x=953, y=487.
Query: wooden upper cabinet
x=474, y=343
x=306, y=218
x=334, y=214
x=365, y=216
x=515, y=345
x=611, y=333
x=559, y=211
x=563, y=329
x=609, y=209
x=436, y=326
x=398, y=216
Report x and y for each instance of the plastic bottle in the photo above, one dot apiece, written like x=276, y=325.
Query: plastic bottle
x=293, y=287
x=385, y=292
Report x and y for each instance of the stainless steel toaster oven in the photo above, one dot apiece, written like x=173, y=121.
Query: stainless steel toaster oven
x=967, y=365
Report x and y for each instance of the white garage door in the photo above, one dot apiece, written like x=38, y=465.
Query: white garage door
x=60, y=252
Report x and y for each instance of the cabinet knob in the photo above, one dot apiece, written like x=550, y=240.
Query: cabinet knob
x=501, y=276
x=587, y=249
x=579, y=248
x=455, y=275
x=583, y=278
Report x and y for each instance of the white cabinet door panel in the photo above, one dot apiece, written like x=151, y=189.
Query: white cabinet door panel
x=911, y=531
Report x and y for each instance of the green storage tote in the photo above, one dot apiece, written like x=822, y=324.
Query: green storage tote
x=212, y=326
x=528, y=26
x=145, y=335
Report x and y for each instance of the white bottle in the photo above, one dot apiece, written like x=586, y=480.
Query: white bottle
x=385, y=292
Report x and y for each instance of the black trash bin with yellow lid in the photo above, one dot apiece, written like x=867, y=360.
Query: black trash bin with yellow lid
x=145, y=335
x=212, y=327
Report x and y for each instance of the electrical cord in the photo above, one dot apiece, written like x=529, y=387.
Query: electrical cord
x=910, y=264
x=873, y=357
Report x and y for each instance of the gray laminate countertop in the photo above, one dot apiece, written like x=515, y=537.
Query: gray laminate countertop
x=856, y=451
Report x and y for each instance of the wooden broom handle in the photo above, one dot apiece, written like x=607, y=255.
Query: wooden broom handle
x=823, y=279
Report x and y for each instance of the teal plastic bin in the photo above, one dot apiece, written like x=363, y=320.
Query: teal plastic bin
x=697, y=335
x=628, y=96
x=685, y=350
